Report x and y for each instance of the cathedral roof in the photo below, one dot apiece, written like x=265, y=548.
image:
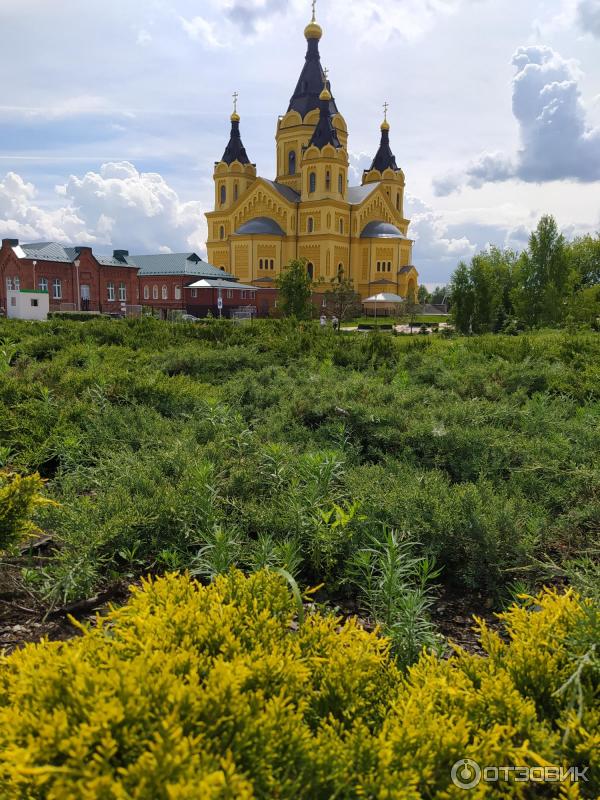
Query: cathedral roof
x=235, y=150
x=356, y=194
x=381, y=230
x=260, y=225
x=325, y=132
x=307, y=91
x=285, y=191
x=384, y=158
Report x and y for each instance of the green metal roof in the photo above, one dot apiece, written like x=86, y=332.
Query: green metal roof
x=176, y=264
x=53, y=251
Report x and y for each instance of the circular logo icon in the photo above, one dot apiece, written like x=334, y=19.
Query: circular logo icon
x=466, y=773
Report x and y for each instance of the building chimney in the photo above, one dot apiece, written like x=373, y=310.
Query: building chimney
x=11, y=242
x=120, y=255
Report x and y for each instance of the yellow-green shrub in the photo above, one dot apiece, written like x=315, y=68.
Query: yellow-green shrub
x=19, y=497
x=215, y=692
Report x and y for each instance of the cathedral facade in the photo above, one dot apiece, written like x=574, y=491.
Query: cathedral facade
x=309, y=211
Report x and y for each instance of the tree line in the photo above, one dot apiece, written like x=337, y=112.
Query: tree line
x=553, y=282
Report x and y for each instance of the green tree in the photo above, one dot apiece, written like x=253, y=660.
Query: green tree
x=492, y=274
x=440, y=294
x=342, y=299
x=545, y=279
x=462, y=298
x=423, y=295
x=295, y=290
x=583, y=255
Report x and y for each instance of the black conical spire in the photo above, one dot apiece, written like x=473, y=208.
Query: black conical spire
x=310, y=83
x=235, y=150
x=384, y=158
x=324, y=132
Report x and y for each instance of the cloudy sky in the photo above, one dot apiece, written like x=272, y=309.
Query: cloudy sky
x=113, y=112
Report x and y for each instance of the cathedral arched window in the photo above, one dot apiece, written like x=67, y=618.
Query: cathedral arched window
x=260, y=263
x=398, y=201
x=223, y=195
x=221, y=232
x=340, y=271
x=310, y=225
x=312, y=182
x=341, y=183
x=341, y=226
x=310, y=270
x=155, y=292
x=327, y=181
x=235, y=191
x=292, y=162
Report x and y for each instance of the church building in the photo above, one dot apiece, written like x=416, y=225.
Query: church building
x=309, y=211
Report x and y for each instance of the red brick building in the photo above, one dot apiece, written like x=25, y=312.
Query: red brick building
x=77, y=279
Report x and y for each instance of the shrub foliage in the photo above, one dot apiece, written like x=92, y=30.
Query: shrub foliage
x=218, y=692
x=172, y=446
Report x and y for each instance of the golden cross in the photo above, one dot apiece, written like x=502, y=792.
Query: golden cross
x=314, y=8
x=235, y=99
x=386, y=105
x=325, y=76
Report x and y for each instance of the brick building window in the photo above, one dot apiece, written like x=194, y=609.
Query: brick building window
x=165, y=292
x=194, y=292
x=57, y=289
x=17, y=283
x=43, y=284
x=9, y=284
x=178, y=293
x=110, y=290
x=122, y=292
x=146, y=292
x=155, y=292
x=230, y=294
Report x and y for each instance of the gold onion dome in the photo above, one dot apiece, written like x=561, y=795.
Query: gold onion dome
x=385, y=125
x=325, y=94
x=235, y=117
x=313, y=30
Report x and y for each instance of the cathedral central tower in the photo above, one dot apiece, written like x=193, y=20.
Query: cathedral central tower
x=296, y=127
x=309, y=211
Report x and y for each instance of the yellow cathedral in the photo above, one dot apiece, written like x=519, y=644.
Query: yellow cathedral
x=309, y=211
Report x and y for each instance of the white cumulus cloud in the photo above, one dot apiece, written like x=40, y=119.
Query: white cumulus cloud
x=588, y=16
x=556, y=141
x=117, y=206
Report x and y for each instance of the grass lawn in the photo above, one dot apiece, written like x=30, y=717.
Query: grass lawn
x=401, y=320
